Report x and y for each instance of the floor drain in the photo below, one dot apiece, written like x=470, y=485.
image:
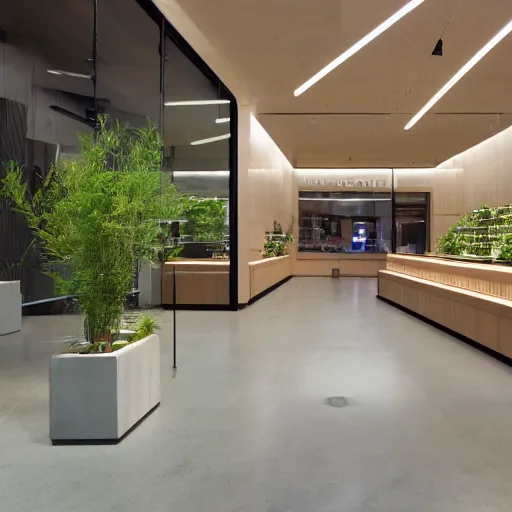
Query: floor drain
x=336, y=401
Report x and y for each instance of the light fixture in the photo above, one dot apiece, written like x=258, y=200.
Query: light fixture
x=359, y=45
x=211, y=139
x=190, y=103
x=222, y=120
x=68, y=73
x=438, y=49
x=504, y=32
x=346, y=200
x=191, y=174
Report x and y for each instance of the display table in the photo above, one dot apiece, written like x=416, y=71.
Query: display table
x=470, y=299
x=198, y=283
x=10, y=307
x=321, y=264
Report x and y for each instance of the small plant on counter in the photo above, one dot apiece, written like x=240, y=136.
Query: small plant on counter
x=273, y=249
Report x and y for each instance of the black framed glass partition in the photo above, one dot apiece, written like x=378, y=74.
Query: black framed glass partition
x=119, y=59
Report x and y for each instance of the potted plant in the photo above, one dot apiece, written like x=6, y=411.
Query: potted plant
x=98, y=215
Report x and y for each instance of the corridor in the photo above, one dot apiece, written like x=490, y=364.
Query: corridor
x=245, y=424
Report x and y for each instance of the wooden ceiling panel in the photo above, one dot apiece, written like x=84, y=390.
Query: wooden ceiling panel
x=275, y=46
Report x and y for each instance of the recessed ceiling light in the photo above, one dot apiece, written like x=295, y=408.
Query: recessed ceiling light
x=68, y=73
x=211, y=139
x=504, y=32
x=222, y=120
x=359, y=45
x=191, y=174
x=190, y=103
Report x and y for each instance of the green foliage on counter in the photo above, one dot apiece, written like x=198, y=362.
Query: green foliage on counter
x=96, y=215
x=483, y=233
x=273, y=249
x=276, y=242
x=206, y=219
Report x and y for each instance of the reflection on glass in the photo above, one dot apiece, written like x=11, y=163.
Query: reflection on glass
x=196, y=139
x=351, y=222
x=411, y=222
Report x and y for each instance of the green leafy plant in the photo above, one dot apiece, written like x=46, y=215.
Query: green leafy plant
x=206, y=219
x=505, y=248
x=98, y=215
x=273, y=249
x=146, y=326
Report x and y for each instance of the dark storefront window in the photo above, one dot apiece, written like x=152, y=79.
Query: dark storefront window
x=345, y=222
x=412, y=222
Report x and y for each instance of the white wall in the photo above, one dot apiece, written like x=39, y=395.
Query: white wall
x=265, y=180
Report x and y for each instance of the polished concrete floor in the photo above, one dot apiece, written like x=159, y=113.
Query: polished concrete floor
x=244, y=425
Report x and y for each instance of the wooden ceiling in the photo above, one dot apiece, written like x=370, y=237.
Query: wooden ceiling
x=355, y=116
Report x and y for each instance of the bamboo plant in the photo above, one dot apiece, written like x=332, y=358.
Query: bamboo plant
x=97, y=214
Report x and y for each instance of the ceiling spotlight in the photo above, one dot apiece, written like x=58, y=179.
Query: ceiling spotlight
x=438, y=50
x=222, y=120
x=68, y=73
x=504, y=32
x=406, y=9
x=211, y=139
x=190, y=103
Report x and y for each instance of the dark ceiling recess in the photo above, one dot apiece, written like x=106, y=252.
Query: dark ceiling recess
x=438, y=50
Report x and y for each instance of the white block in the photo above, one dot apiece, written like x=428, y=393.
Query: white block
x=99, y=397
x=10, y=307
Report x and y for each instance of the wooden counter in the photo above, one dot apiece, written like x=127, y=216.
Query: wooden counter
x=321, y=264
x=267, y=273
x=470, y=299
x=198, y=283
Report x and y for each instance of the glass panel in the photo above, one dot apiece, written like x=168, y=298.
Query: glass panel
x=196, y=138
x=45, y=100
x=412, y=223
x=344, y=222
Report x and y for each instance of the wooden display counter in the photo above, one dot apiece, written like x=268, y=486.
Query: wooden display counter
x=198, y=283
x=319, y=264
x=470, y=299
x=266, y=274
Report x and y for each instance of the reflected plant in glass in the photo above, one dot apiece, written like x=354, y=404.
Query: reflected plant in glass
x=206, y=219
x=97, y=215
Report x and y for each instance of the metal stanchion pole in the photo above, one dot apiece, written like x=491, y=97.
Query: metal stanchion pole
x=174, y=315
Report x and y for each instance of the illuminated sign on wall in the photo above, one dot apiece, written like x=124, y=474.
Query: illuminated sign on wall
x=348, y=183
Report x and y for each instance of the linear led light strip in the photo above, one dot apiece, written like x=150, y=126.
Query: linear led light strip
x=347, y=200
x=460, y=74
x=359, y=45
x=222, y=120
x=191, y=174
x=190, y=103
x=211, y=139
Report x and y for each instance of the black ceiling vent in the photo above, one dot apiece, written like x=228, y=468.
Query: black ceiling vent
x=438, y=50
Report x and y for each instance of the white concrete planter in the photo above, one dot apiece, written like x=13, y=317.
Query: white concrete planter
x=100, y=397
x=10, y=307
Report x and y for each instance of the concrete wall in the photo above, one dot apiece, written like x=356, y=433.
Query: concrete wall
x=264, y=193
